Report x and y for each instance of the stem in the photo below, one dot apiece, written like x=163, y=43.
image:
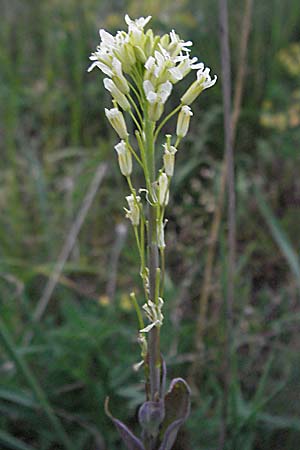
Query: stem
x=144, y=160
x=153, y=263
x=139, y=98
x=135, y=121
x=228, y=143
x=137, y=310
x=134, y=153
x=163, y=269
x=165, y=120
x=135, y=107
x=33, y=383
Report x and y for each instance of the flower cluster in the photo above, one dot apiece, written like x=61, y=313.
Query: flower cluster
x=140, y=71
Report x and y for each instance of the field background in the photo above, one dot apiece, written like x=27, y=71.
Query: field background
x=54, y=141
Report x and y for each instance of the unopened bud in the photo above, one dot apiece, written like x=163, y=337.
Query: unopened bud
x=117, y=121
x=169, y=158
x=133, y=213
x=139, y=53
x=183, y=121
x=124, y=157
x=163, y=189
x=160, y=233
x=192, y=93
x=203, y=81
x=116, y=94
x=155, y=111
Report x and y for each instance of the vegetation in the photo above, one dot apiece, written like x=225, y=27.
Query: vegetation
x=68, y=259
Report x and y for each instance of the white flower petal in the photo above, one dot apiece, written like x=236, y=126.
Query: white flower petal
x=148, y=87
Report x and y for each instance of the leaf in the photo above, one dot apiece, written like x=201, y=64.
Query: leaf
x=151, y=415
x=13, y=443
x=129, y=439
x=177, y=409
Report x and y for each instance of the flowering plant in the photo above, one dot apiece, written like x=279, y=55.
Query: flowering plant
x=141, y=69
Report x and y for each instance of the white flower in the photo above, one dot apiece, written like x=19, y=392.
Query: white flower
x=117, y=121
x=180, y=71
x=154, y=314
x=138, y=23
x=116, y=94
x=107, y=39
x=118, y=76
x=133, y=213
x=163, y=189
x=161, y=95
x=169, y=159
x=124, y=158
x=177, y=45
x=183, y=121
x=204, y=78
x=204, y=81
x=103, y=67
x=157, y=98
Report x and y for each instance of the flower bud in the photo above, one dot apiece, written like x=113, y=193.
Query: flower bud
x=203, y=81
x=116, y=94
x=133, y=213
x=155, y=111
x=165, y=40
x=139, y=53
x=124, y=157
x=169, y=158
x=163, y=189
x=118, y=77
x=192, y=93
x=148, y=43
x=160, y=235
x=183, y=121
x=129, y=54
x=117, y=121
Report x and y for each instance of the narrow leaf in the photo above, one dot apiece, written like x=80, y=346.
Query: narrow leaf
x=279, y=236
x=129, y=439
x=13, y=443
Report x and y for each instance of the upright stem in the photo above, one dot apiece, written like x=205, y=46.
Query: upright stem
x=228, y=141
x=153, y=263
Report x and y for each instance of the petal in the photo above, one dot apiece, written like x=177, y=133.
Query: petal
x=148, y=87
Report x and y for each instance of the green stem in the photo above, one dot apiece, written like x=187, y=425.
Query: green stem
x=157, y=285
x=135, y=107
x=163, y=265
x=177, y=142
x=165, y=120
x=144, y=161
x=137, y=310
x=134, y=153
x=136, y=93
x=33, y=383
x=135, y=121
x=153, y=263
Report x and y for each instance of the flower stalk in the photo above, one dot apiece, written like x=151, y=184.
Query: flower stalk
x=141, y=70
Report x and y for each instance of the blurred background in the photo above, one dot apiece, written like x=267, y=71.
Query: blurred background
x=67, y=262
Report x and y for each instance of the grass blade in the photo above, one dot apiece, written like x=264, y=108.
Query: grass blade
x=13, y=443
x=279, y=236
x=33, y=383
